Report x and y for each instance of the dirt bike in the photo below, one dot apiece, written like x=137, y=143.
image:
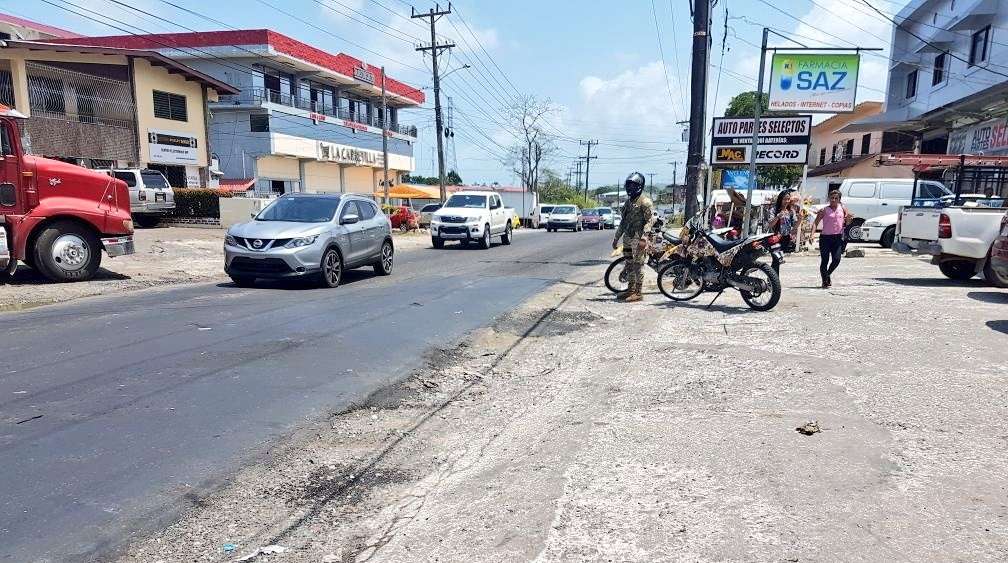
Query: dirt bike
x=707, y=262
x=661, y=242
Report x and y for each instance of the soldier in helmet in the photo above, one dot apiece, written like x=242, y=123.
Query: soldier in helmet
x=638, y=217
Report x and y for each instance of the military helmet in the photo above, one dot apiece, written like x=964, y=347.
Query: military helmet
x=634, y=185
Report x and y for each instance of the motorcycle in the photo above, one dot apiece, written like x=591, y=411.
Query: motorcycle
x=662, y=243
x=705, y=261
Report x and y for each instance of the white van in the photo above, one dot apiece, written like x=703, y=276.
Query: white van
x=541, y=215
x=868, y=198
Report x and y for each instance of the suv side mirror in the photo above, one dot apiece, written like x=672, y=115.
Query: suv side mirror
x=349, y=219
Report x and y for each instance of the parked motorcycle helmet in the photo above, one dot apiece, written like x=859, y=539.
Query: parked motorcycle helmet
x=634, y=185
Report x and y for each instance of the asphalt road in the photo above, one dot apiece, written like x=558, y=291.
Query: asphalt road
x=116, y=412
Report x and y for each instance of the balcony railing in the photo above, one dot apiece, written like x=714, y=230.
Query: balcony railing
x=257, y=96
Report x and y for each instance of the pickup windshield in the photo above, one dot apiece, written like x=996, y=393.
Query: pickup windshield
x=471, y=201
x=563, y=210
x=301, y=209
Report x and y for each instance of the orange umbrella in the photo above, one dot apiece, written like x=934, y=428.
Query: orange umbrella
x=406, y=191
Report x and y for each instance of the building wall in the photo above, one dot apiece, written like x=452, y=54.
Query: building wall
x=147, y=79
x=232, y=140
x=277, y=168
x=359, y=179
x=16, y=60
x=322, y=177
x=921, y=17
x=824, y=135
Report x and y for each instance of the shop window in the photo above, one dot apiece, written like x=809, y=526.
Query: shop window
x=278, y=186
x=170, y=106
x=911, y=84
x=938, y=72
x=259, y=122
x=978, y=46
x=866, y=143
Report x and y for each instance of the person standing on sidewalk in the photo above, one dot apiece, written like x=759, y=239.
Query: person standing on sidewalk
x=834, y=218
x=785, y=223
x=637, y=218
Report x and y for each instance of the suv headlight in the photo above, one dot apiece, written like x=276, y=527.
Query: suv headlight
x=230, y=240
x=301, y=241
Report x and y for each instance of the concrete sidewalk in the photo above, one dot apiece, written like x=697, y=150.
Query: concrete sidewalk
x=578, y=428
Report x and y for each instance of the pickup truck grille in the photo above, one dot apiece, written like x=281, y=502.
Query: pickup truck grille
x=453, y=230
x=453, y=219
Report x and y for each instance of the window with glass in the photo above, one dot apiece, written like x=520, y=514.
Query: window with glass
x=979, y=46
x=127, y=177
x=300, y=209
x=862, y=189
x=938, y=72
x=259, y=122
x=170, y=106
x=911, y=84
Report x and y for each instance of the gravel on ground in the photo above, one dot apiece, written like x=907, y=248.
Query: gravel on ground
x=579, y=428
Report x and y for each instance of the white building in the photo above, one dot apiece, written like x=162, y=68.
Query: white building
x=948, y=77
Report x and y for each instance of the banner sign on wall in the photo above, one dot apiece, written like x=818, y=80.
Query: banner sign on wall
x=735, y=179
x=987, y=137
x=816, y=83
x=782, y=140
x=167, y=147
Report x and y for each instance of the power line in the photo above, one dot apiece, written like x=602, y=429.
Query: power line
x=661, y=53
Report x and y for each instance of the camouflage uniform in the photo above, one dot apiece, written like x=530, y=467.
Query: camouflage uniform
x=638, y=217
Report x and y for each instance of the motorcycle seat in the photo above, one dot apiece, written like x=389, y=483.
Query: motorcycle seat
x=721, y=244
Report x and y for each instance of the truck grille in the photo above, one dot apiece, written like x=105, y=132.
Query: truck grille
x=453, y=219
x=453, y=230
x=265, y=243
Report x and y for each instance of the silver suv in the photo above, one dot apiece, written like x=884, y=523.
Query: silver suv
x=302, y=235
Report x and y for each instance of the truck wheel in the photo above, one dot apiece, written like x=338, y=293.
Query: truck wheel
x=888, y=237
x=147, y=221
x=959, y=270
x=992, y=276
x=485, y=241
x=506, y=237
x=66, y=251
x=437, y=242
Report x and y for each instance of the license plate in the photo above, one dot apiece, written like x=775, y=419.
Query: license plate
x=159, y=197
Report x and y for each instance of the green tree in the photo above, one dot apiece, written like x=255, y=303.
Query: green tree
x=744, y=105
x=453, y=178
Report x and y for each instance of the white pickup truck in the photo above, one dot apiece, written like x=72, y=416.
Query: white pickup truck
x=959, y=238
x=472, y=216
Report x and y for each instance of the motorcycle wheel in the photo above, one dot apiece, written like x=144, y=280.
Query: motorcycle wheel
x=768, y=299
x=615, y=276
x=669, y=280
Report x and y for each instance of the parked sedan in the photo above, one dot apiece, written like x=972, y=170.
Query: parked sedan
x=310, y=235
x=591, y=219
x=564, y=217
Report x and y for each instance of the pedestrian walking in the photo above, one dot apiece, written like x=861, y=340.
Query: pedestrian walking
x=834, y=218
x=638, y=217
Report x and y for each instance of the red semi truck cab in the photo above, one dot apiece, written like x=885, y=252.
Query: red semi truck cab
x=54, y=216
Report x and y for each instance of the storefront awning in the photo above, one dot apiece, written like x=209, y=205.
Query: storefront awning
x=409, y=191
x=894, y=120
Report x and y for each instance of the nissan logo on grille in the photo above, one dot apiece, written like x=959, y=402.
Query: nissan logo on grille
x=257, y=243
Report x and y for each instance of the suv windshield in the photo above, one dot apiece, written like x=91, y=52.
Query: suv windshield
x=301, y=209
x=547, y=209
x=154, y=180
x=475, y=201
x=591, y=212
x=565, y=210
x=431, y=207
x=605, y=211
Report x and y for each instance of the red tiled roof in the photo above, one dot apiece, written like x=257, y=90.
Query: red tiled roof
x=236, y=184
x=340, y=63
x=48, y=29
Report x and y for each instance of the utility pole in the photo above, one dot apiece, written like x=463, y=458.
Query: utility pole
x=577, y=166
x=652, y=175
x=675, y=181
x=434, y=14
x=698, y=104
x=384, y=134
x=588, y=160
x=757, y=108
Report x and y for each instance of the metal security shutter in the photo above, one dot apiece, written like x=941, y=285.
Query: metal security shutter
x=170, y=106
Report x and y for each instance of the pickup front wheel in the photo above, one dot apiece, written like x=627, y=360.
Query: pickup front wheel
x=66, y=251
x=506, y=237
x=485, y=241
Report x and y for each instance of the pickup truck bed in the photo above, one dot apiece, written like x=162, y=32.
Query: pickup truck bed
x=958, y=238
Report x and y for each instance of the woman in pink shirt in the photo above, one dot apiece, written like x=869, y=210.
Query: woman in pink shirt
x=834, y=217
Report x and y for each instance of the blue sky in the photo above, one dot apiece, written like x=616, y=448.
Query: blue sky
x=597, y=62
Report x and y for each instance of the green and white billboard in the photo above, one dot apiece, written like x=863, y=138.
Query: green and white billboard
x=814, y=82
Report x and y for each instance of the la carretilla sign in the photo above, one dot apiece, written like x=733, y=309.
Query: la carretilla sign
x=814, y=82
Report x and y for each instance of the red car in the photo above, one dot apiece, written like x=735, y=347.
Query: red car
x=592, y=219
x=403, y=218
